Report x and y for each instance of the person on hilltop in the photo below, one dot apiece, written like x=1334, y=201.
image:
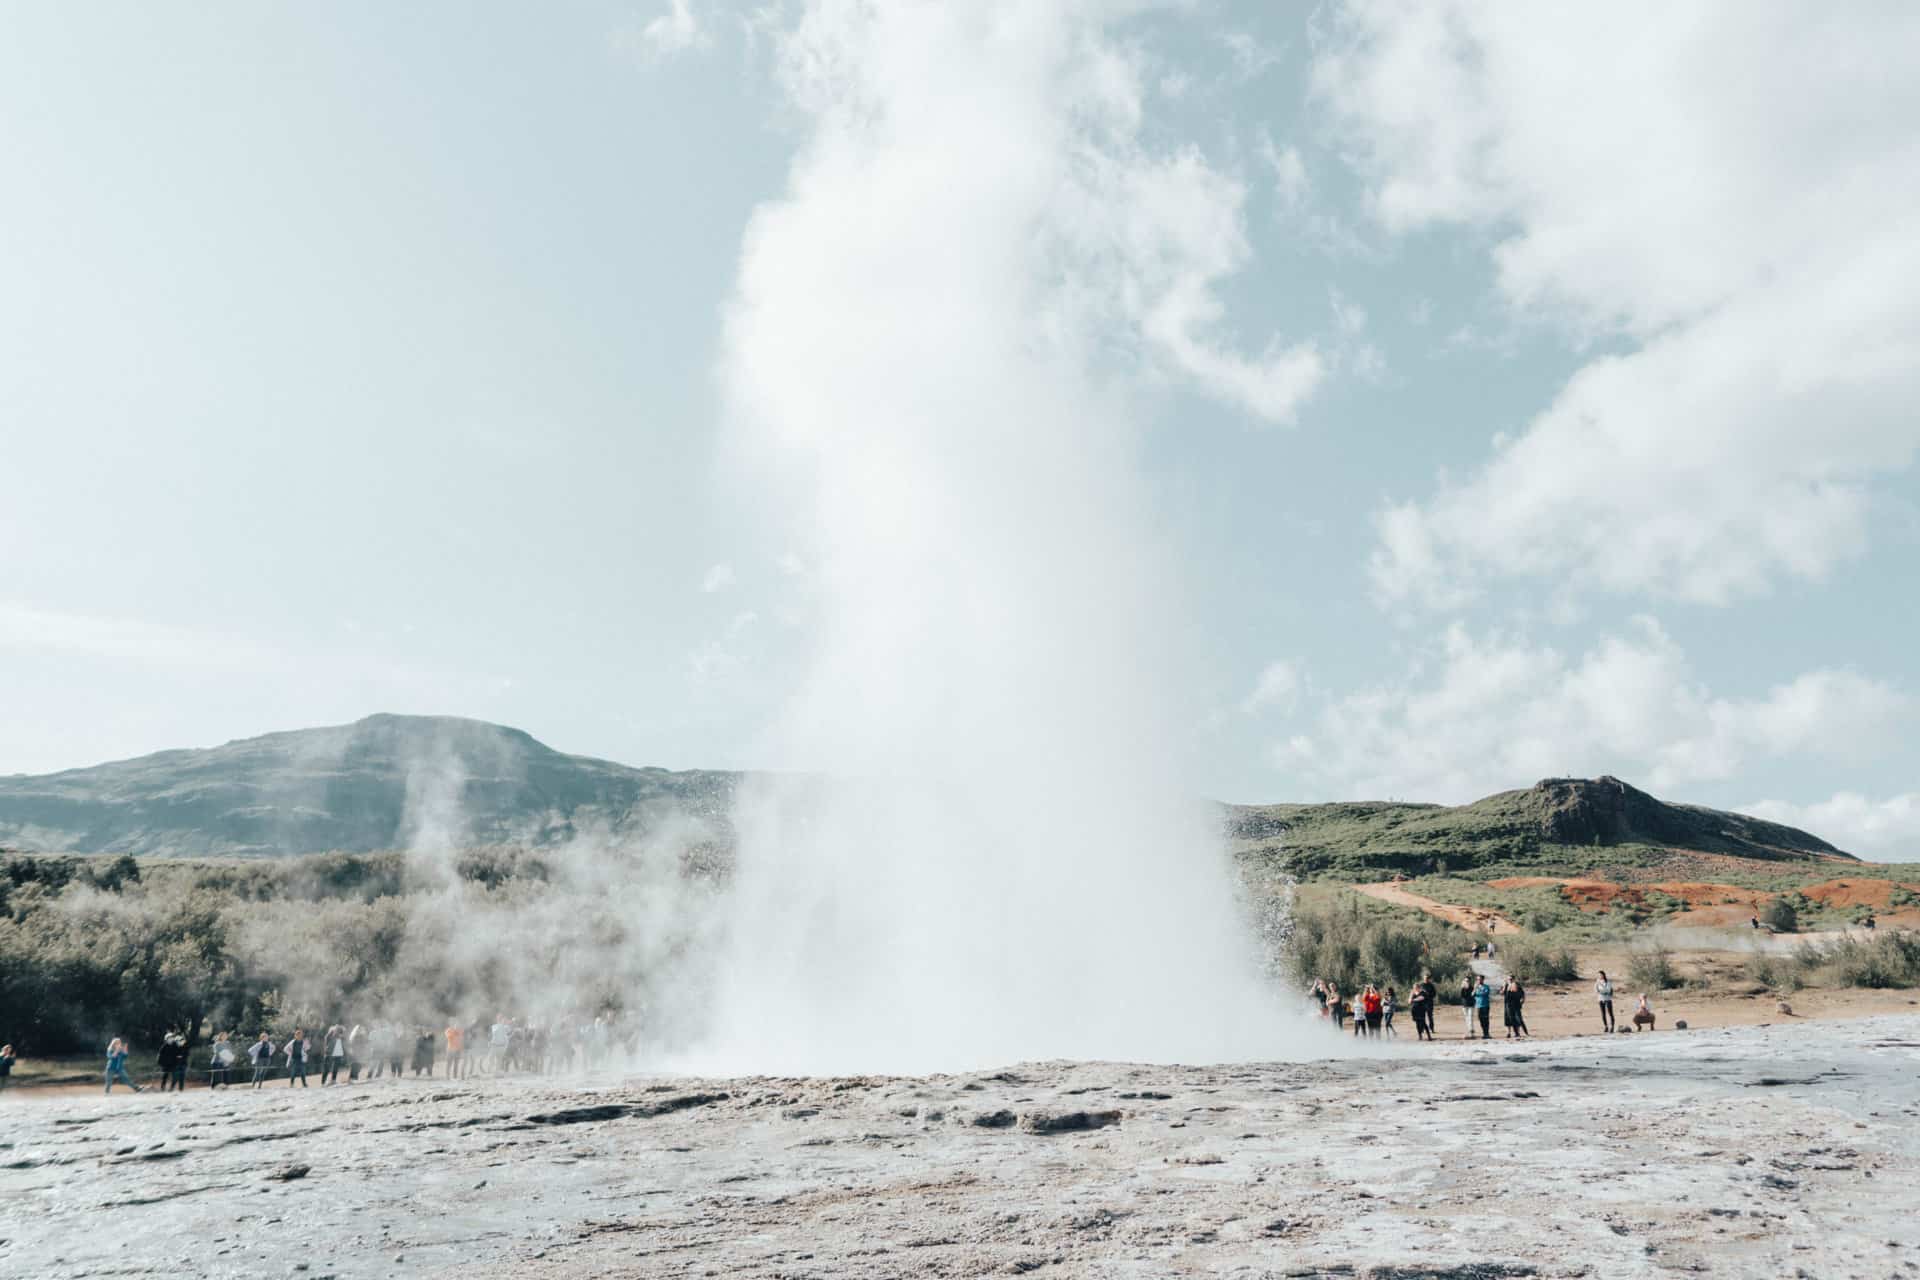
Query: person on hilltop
x=117, y=1065
x=1483, y=1008
x=260, y=1052
x=1466, y=1001
x=1603, y=992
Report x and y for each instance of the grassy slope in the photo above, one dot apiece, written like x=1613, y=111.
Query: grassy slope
x=1559, y=826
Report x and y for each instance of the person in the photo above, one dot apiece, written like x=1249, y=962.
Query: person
x=1512, y=997
x=1754, y=921
x=6, y=1065
x=422, y=1051
x=221, y=1070
x=1333, y=1002
x=261, y=1054
x=334, y=1046
x=117, y=1065
x=498, y=1038
x=456, y=1049
x=1603, y=991
x=356, y=1052
x=1643, y=1013
x=396, y=1049
x=1466, y=1001
x=1319, y=993
x=296, y=1052
x=172, y=1054
x=1489, y=948
x=1388, y=1004
x=1430, y=996
x=1483, y=1008
x=1417, y=1006
x=1372, y=1008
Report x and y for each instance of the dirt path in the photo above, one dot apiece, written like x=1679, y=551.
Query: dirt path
x=1472, y=919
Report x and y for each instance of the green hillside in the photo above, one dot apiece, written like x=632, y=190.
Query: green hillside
x=1559, y=824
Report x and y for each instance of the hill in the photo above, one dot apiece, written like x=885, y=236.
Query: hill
x=391, y=782
x=1556, y=824
x=385, y=782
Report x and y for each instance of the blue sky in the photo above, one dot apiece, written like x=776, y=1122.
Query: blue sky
x=1513, y=393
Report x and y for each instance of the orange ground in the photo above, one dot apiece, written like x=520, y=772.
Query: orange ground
x=1712, y=905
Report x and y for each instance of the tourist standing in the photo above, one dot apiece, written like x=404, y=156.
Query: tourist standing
x=356, y=1052
x=6, y=1065
x=1372, y=1008
x=1335, y=1003
x=261, y=1054
x=456, y=1049
x=117, y=1065
x=169, y=1058
x=422, y=1051
x=1466, y=1001
x=1510, y=1008
x=1483, y=1008
x=296, y=1052
x=221, y=1070
x=1603, y=991
x=1388, y=1004
x=333, y=1050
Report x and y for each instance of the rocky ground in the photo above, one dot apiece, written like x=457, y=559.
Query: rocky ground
x=1746, y=1151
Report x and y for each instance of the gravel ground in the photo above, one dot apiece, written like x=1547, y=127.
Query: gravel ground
x=1775, y=1151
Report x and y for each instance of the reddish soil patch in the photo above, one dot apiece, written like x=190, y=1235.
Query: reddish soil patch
x=1707, y=903
x=1877, y=894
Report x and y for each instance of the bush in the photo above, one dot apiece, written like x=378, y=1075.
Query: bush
x=1886, y=960
x=1652, y=970
x=1353, y=946
x=1533, y=962
x=1781, y=915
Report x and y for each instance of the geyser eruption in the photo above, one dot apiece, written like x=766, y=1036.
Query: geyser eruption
x=1002, y=866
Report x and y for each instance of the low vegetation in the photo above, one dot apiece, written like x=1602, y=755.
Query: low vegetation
x=1533, y=961
x=1352, y=941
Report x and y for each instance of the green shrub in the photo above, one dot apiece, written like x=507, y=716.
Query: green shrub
x=1532, y=961
x=1886, y=960
x=1781, y=915
x=1352, y=945
x=1651, y=969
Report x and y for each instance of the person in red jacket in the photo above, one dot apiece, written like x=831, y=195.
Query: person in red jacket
x=1370, y=1005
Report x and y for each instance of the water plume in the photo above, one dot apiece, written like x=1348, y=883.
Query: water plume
x=1002, y=865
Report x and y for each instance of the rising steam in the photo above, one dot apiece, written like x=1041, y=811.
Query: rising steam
x=922, y=345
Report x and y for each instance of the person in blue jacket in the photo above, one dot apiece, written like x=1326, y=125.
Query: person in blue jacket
x=1483, y=1008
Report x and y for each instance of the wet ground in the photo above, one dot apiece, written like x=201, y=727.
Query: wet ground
x=1787, y=1150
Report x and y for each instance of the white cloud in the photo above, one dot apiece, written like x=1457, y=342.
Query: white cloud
x=717, y=578
x=1495, y=712
x=677, y=30
x=1277, y=687
x=1290, y=182
x=1888, y=830
x=1747, y=268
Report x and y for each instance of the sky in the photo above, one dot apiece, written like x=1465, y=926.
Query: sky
x=1514, y=391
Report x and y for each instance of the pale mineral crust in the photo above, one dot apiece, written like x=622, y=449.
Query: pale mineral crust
x=1777, y=1151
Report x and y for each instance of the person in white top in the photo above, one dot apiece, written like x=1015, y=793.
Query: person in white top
x=1603, y=991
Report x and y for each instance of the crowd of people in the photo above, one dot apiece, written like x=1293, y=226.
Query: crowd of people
x=343, y=1054
x=1370, y=1010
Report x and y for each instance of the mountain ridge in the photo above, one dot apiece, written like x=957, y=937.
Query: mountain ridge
x=392, y=782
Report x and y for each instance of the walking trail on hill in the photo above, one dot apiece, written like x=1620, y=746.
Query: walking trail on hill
x=1472, y=919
